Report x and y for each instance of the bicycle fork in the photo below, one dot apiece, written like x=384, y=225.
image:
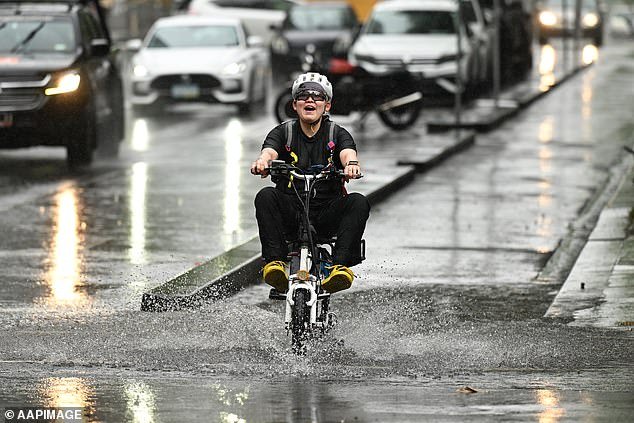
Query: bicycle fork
x=302, y=279
x=319, y=316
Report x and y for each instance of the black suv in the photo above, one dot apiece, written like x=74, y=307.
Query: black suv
x=59, y=85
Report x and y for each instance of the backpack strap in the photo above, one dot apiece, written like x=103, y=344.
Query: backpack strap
x=289, y=134
x=332, y=141
x=331, y=134
x=289, y=141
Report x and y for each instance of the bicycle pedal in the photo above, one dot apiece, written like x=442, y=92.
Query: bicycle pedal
x=331, y=320
x=274, y=294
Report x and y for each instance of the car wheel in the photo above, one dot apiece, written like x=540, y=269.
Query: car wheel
x=284, y=106
x=79, y=152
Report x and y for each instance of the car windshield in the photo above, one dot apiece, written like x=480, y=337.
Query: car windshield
x=36, y=35
x=307, y=18
x=194, y=36
x=284, y=5
x=411, y=22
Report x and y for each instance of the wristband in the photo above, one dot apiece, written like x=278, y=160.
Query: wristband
x=352, y=162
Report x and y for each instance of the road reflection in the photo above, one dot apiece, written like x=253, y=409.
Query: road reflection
x=589, y=54
x=547, y=61
x=552, y=412
x=138, y=188
x=140, y=139
x=140, y=402
x=65, y=392
x=233, y=138
x=586, y=105
x=66, y=252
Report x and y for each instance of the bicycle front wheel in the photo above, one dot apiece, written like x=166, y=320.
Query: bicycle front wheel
x=300, y=321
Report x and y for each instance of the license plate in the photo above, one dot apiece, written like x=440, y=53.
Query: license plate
x=6, y=120
x=185, y=91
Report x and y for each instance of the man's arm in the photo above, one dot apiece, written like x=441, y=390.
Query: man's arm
x=258, y=167
x=350, y=163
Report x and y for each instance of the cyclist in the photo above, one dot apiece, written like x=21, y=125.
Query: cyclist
x=304, y=142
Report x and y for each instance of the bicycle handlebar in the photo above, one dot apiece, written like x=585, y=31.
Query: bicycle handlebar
x=279, y=167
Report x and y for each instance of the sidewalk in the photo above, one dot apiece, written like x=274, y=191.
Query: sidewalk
x=599, y=291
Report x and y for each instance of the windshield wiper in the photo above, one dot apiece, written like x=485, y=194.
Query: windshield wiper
x=19, y=46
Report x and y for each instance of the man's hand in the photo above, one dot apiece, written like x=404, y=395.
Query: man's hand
x=352, y=170
x=258, y=167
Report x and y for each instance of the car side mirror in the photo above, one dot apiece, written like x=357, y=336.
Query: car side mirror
x=99, y=47
x=255, y=41
x=134, y=44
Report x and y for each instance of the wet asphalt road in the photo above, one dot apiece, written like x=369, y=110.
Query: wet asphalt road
x=452, y=295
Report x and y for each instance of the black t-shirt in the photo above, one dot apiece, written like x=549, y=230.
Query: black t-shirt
x=311, y=151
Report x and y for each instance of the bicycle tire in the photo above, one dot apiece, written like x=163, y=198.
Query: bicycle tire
x=300, y=321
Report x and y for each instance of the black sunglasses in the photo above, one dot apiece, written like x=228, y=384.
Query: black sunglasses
x=315, y=95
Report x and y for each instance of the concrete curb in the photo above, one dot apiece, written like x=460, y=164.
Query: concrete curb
x=598, y=279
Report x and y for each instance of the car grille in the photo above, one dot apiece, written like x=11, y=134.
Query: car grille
x=203, y=81
x=22, y=92
x=18, y=102
x=398, y=63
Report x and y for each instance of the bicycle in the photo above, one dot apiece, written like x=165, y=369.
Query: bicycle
x=307, y=304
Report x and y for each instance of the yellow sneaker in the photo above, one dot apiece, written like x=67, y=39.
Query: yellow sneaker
x=274, y=273
x=340, y=278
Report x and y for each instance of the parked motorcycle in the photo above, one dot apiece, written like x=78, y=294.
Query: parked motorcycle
x=394, y=96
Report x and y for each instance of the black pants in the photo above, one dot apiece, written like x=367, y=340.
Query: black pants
x=277, y=214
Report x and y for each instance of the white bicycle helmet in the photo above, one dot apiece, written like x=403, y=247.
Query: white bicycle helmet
x=305, y=80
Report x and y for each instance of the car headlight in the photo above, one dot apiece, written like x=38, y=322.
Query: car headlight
x=235, y=68
x=547, y=18
x=64, y=83
x=140, y=71
x=279, y=45
x=590, y=20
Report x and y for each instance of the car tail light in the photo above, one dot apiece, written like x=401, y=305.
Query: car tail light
x=340, y=67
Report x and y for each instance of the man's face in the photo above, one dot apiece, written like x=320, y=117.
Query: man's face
x=310, y=105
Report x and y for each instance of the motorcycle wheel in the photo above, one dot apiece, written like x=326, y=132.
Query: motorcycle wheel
x=284, y=107
x=300, y=322
x=401, y=118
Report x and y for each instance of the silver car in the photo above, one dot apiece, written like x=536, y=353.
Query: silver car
x=198, y=59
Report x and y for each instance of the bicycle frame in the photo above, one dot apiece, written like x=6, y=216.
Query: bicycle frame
x=307, y=264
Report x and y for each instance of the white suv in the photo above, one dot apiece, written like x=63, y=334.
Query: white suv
x=421, y=37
